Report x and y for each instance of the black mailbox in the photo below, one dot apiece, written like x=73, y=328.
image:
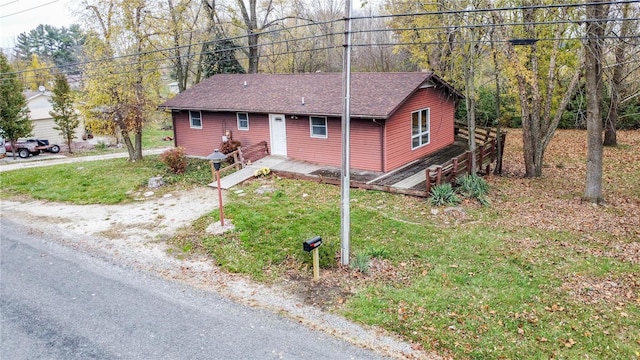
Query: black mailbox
x=312, y=243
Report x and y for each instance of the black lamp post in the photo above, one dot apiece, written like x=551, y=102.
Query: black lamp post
x=216, y=158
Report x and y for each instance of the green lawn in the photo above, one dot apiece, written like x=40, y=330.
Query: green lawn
x=465, y=287
x=97, y=182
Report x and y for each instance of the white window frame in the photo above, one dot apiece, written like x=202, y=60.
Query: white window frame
x=191, y=117
x=423, y=129
x=326, y=127
x=238, y=118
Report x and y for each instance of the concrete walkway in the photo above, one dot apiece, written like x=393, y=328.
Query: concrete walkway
x=271, y=162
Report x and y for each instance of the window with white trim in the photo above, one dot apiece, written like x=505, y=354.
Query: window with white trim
x=420, y=126
x=243, y=121
x=195, y=119
x=318, y=126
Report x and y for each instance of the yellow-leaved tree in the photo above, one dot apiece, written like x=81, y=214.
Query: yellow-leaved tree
x=122, y=78
x=545, y=65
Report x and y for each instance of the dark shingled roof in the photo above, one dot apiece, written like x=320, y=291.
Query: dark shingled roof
x=373, y=95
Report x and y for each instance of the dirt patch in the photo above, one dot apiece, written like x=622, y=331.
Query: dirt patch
x=339, y=283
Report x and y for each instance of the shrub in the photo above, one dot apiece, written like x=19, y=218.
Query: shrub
x=175, y=159
x=229, y=146
x=101, y=145
x=443, y=194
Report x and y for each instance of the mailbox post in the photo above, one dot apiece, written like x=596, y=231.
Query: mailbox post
x=216, y=158
x=312, y=246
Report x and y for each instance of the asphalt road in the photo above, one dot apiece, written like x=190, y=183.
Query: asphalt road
x=59, y=303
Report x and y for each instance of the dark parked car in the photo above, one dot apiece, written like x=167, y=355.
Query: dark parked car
x=24, y=148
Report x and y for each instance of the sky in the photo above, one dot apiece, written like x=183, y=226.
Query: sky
x=18, y=16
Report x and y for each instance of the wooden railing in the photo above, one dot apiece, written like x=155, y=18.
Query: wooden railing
x=256, y=152
x=483, y=134
x=486, y=154
x=242, y=155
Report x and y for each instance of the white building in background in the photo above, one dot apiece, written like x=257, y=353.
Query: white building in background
x=39, y=105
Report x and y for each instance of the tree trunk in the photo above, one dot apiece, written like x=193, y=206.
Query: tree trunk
x=610, y=138
x=138, y=145
x=593, y=78
x=254, y=53
x=13, y=147
x=499, y=145
x=130, y=148
x=69, y=142
x=471, y=103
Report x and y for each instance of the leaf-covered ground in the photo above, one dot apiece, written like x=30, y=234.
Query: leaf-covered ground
x=554, y=202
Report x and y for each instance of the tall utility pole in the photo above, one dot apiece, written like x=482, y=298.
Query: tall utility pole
x=345, y=214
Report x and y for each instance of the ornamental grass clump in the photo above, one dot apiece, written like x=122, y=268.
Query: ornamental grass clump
x=360, y=262
x=443, y=194
x=474, y=187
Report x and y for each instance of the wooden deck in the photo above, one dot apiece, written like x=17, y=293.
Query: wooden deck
x=413, y=174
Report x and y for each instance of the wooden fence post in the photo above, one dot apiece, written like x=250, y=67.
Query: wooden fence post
x=241, y=157
x=454, y=170
x=469, y=162
x=428, y=182
x=438, y=175
x=480, y=157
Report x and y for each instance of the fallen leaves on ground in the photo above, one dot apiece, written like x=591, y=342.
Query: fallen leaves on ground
x=554, y=201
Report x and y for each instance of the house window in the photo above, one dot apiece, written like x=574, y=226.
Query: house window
x=420, y=128
x=243, y=121
x=195, y=119
x=318, y=126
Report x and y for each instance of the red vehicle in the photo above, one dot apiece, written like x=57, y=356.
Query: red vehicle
x=24, y=148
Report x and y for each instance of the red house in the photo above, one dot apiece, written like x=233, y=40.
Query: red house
x=396, y=118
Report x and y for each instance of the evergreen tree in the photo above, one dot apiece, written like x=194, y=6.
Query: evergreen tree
x=220, y=58
x=14, y=114
x=58, y=46
x=63, y=112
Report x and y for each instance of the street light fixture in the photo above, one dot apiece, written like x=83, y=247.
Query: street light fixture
x=216, y=158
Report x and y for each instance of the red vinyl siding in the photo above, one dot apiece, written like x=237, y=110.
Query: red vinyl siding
x=202, y=142
x=365, y=143
x=398, y=131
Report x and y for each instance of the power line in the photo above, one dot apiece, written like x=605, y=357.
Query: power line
x=484, y=10
x=296, y=51
x=25, y=10
x=295, y=40
x=164, y=51
x=9, y=3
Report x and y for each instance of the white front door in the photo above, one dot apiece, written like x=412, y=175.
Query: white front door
x=278, y=131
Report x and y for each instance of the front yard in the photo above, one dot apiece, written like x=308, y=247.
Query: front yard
x=538, y=274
